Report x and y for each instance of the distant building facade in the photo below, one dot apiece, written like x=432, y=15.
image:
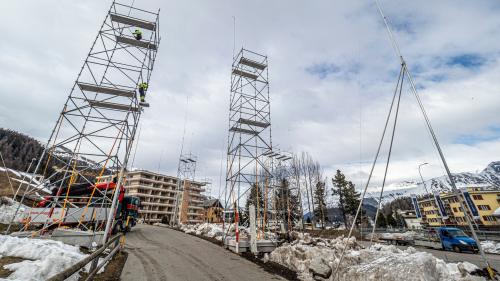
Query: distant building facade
x=158, y=195
x=212, y=210
x=410, y=218
x=485, y=200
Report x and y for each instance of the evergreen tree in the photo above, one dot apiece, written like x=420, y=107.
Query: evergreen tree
x=257, y=199
x=339, y=185
x=381, y=221
x=287, y=204
x=349, y=198
x=352, y=199
x=320, y=199
x=391, y=221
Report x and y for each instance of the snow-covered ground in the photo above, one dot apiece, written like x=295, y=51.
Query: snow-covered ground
x=316, y=258
x=44, y=257
x=8, y=209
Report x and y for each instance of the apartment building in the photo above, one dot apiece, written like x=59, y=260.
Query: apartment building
x=484, y=199
x=158, y=195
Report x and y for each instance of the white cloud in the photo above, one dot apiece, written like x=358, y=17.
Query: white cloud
x=337, y=119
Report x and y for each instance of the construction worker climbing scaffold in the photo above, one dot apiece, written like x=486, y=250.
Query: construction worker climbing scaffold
x=143, y=87
x=137, y=34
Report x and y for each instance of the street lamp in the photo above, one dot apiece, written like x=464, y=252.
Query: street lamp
x=423, y=182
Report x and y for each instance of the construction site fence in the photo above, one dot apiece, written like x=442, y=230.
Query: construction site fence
x=94, y=258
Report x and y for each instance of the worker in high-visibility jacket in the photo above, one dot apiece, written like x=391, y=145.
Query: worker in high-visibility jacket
x=137, y=34
x=143, y=87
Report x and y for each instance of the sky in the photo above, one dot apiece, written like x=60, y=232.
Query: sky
x=332, y=73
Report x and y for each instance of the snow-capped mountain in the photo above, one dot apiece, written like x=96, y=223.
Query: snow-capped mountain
x=488, y=178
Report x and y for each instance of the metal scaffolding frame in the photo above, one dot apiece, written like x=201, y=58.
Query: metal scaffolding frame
x=93, y=136
x=186, y=171
x=249, y=134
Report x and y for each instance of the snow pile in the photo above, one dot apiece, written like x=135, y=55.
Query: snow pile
x=210, y=230
x=213, y=230
x=491, y=247
x=409, y=235
x=316, y=258
x=8, y=209
x=44, y=257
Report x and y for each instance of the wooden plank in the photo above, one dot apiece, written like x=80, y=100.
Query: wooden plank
x=106, y=90
x=244, y=131
x=253, y=123
x=109, y=105
x=252, y=63
x=134, y=42
x=245, y=74
x=133, y=21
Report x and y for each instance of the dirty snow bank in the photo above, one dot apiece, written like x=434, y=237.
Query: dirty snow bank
x=44, y=257
x=314, y=259
x=210, y=230
x=409, y=235
x=491, y=247
x=214, y=230
x=8, y=209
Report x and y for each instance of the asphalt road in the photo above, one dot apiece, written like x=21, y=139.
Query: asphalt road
x=161, y=254
x=456, y=257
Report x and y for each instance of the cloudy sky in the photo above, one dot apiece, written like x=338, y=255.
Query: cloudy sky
x=332, y=72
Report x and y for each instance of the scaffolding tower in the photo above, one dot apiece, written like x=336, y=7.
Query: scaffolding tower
x=249, y=137
x=93, y=136
x=186, y=172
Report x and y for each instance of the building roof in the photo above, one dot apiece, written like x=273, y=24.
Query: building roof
x=213, y=202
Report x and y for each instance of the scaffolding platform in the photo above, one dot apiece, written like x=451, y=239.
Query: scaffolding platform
x=252, y=63
x=105, y=90
x=245, y=74
x=133, y=21
x=135, y=42
x=110, y=105
x=253, y=123
x=243, y=131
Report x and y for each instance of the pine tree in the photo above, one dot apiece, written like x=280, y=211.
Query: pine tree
x=349, y=198
x=352, y=198
x=339, y=185
x=381, y=221
x=252, y=199
x=320, y=200
x=287, y=204
x=391, y=221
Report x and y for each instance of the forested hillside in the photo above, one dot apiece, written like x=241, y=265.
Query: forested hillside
x=18, y=149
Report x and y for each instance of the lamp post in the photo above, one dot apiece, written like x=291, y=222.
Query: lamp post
x=423, y=182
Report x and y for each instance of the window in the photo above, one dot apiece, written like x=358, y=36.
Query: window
x=477, y=197
x=483, y=207
x=455, y=209
x=489, y=218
